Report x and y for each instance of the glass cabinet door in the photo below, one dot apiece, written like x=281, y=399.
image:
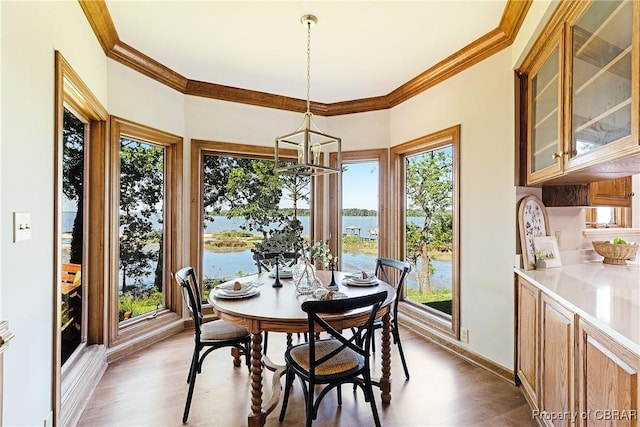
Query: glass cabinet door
x=601, y=79
x=545, y=142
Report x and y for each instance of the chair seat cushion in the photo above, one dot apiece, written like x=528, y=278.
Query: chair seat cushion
x=221, y=330
x=344, y=361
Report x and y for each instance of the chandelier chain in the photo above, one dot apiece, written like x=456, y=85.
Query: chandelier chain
x=308, y=66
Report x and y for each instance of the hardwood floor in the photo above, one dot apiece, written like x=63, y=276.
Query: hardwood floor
x=149, y=388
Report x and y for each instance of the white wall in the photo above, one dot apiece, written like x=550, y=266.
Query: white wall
x=138, y=98
x=537, y=16
x=362, y=131
x=31, y=31
x=480, y=99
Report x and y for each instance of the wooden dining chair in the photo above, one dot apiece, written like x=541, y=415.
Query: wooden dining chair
x=208, y=336
x=387, y=269
x=265, y=262
x=339, y=359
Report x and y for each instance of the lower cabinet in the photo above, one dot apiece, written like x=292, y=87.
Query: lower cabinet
x=556, y=361
x=608, y=386
x=527, y=363
x=571, y=372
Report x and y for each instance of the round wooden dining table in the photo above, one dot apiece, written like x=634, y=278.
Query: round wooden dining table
x=278, y=309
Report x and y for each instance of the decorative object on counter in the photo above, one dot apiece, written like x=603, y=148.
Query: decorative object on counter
x=615, y=253
x=532, y=222
x=546, y=252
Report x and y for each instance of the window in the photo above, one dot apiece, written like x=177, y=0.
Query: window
x=80, y=143
x=146, y=171
x=73, y=312
x=360, y=222
x=425, y=173
x=239, y=196
x=608, y=217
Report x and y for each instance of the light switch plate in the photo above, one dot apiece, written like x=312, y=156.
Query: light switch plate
x=21, y=226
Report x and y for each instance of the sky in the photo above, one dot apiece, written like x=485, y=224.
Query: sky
x=359, y=187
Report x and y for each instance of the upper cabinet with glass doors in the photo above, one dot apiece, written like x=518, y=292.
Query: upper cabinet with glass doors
x=545, y=113
x=598, y=84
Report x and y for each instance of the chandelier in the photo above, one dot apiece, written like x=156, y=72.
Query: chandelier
x=308, y=141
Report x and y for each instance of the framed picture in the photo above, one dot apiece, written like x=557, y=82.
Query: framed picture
x=532, y=222
x=546, y=251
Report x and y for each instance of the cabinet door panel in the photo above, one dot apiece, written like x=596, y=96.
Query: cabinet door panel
x=556, y=360
x=527, y=364
x=612, y=192
x=608, y=386
x=601, y=77
x=545, y=106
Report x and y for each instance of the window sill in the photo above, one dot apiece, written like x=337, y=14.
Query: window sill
x=417, y=312
x=610, y=233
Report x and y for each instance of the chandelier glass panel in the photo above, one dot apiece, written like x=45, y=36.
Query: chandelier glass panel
x=308, y=142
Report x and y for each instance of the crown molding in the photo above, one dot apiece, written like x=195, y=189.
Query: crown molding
x=501, y=37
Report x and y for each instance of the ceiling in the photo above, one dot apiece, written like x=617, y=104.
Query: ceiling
x=359, y=49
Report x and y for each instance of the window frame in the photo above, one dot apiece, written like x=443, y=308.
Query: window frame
x=171, y=315
x=426, y=315
x=335, y=184
x=201, y=148
x=621, y=218
x=77, y=377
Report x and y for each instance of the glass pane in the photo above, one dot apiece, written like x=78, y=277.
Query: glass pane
x=142, y=236
x=359, y=216
x=601, y=76
x=545, y=113
x=243, y=199
x=605, y=216
x=74, y=133
x=429, y=228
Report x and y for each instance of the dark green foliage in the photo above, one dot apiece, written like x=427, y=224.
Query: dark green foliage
x=236, y=186
x=73, y=178
x=429, y=182
x=141, y=196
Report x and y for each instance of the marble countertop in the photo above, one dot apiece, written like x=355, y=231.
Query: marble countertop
x=608, y=296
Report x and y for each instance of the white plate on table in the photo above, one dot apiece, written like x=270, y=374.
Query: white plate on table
x=357, y=278
x=285, y=273
x=222, y=294
x=350, y=281
x=228, y=288
x=323, y=295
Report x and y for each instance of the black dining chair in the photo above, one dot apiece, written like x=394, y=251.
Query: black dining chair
x=387, y=269
x=339, y=359
x=210, y=335
x=266, y=262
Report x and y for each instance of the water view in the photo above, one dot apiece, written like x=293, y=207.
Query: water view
x=229, y=264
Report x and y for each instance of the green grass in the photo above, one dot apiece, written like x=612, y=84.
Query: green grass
x=433, y=296
x=358, y=245
x=137, y=305
x=231, y=240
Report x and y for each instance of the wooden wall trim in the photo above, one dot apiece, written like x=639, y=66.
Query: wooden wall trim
x=513, y=17
x=100, y=20
x=148, y=66
x=499, y=38
x=252, y=97
x=471, y=54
